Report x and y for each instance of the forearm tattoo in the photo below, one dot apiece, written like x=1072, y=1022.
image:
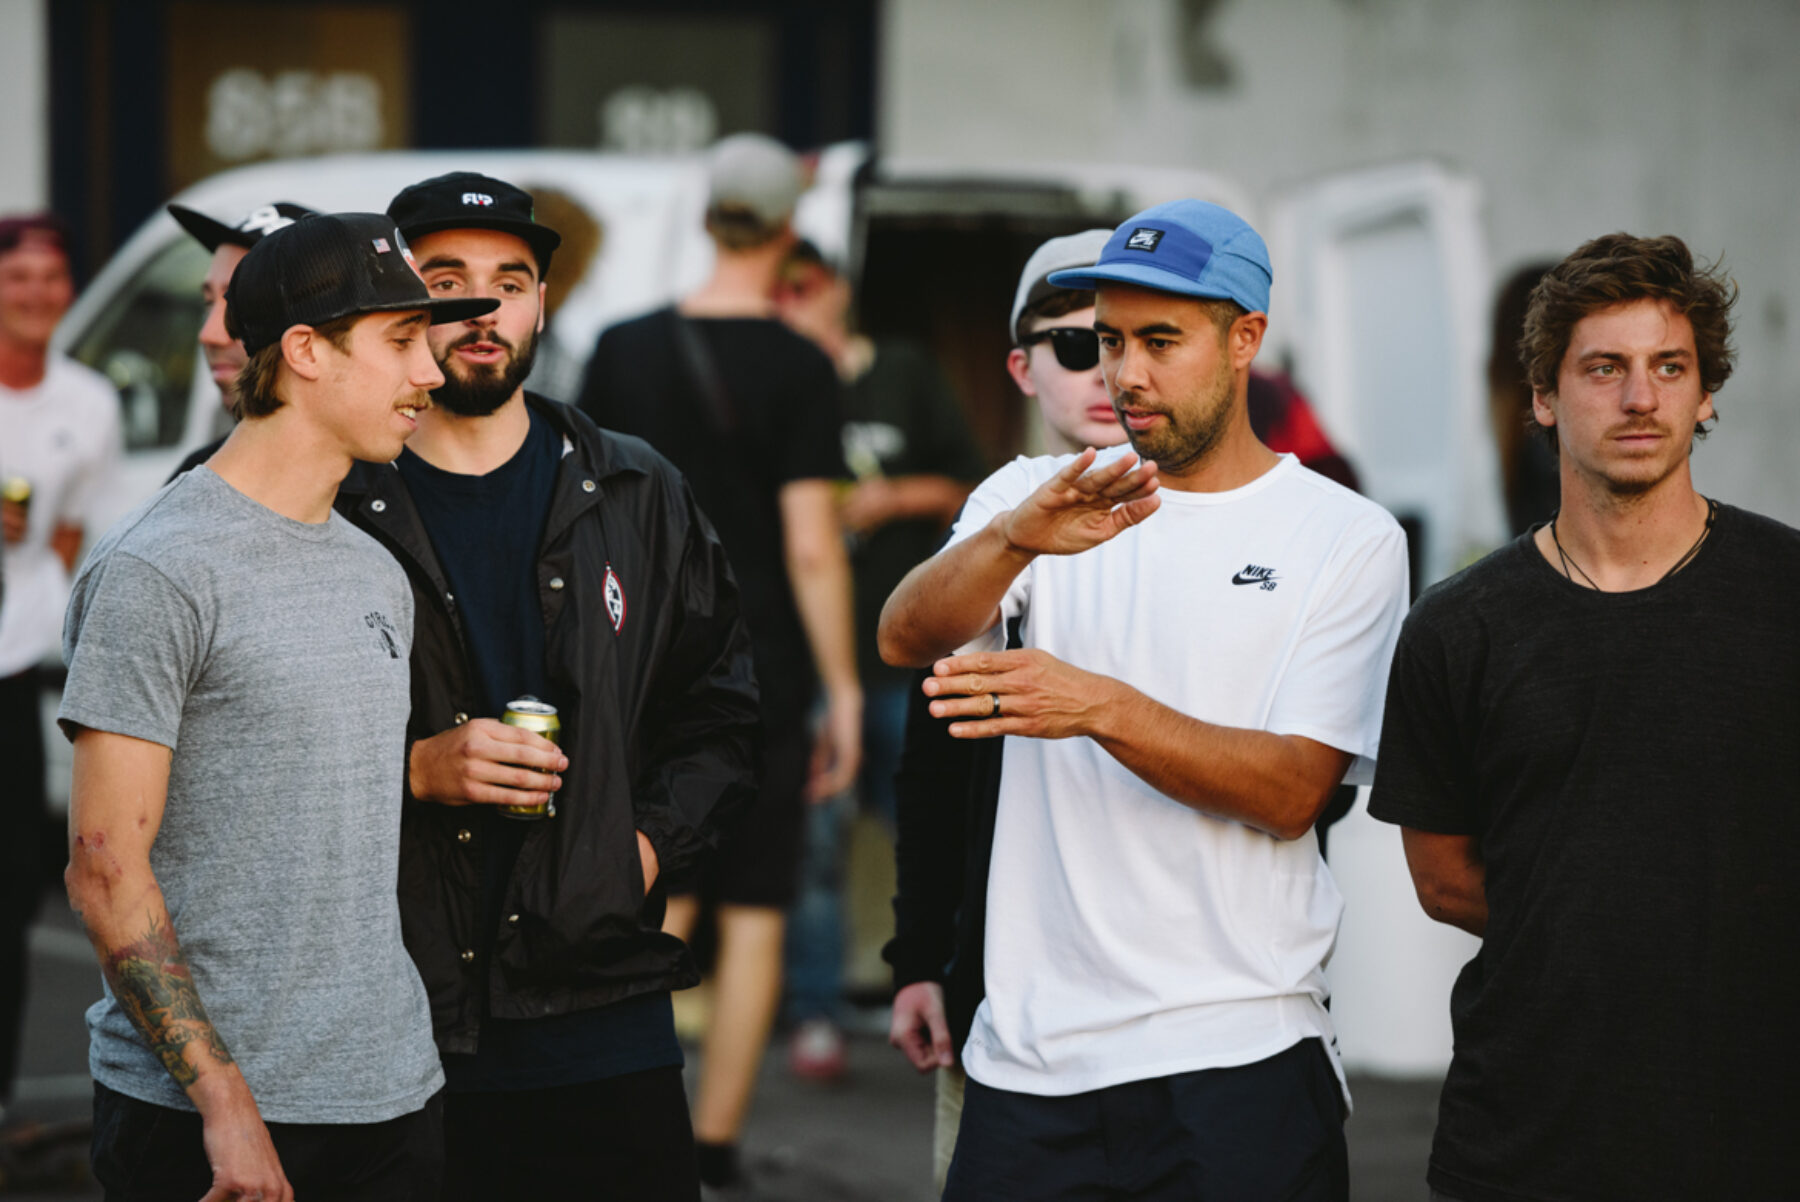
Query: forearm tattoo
x=154, y=985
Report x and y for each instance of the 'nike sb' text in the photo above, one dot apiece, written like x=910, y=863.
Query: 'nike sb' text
x=1254, y=575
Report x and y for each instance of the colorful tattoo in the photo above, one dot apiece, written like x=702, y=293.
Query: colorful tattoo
x=155, y=987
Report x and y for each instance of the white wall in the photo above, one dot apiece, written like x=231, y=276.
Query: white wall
x=24, y=106
x=1575, y=119
x=1572, y=120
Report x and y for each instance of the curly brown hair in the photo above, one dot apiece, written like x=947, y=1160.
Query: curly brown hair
x=1612, y=270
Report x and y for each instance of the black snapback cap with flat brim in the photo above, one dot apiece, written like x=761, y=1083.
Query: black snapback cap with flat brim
x=331, y=266
x=255, y=225
x=467, y=200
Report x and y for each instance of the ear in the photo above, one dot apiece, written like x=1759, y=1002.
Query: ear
x=300, y=351
x=543, y=289
x=1017, y=362
x=1546, y=416
x=1245, y=338
x=1705, y=412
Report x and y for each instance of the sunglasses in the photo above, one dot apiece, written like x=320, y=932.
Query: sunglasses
x=1077, y=349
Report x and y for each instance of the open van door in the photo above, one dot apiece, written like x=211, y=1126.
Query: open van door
x=1381, y=284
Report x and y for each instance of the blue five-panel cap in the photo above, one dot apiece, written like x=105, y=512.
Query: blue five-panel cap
x=1188, y=247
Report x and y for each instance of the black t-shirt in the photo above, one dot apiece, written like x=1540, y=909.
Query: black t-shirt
x=1630, y=765
x=900, y=419
x=485, y=531
x=778, y=420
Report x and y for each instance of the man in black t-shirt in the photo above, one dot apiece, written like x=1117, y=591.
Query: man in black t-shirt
x=550, y=558
x=1589, y=742
x=749, y=411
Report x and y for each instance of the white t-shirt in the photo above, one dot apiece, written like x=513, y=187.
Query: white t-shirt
x=63, y=436
x=1130, y=936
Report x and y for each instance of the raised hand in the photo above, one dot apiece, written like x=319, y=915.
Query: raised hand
x=1080, y=508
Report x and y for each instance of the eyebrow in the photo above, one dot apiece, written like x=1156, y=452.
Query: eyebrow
x=520, y=266
x=1155, y=329
x=411, y=319
x=1663, y=356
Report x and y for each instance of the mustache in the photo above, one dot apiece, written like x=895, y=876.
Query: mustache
x=476, y=336
x=1627, y=429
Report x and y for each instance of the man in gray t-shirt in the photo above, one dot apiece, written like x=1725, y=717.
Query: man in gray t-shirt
x=237, y=697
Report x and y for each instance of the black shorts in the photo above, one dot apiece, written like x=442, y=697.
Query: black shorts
x=149, y=1153
x=1256, y=1133
x=758, y=861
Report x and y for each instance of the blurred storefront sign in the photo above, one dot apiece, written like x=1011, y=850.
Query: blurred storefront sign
x=280, y=82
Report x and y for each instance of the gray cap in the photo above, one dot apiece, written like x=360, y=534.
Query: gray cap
x=756, y=173
x=1058, y=254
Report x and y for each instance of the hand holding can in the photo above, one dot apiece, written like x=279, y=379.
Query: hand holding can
x=528, y=713
x=15, y=508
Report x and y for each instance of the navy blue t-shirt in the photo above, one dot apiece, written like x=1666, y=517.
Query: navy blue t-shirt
x=486, y=531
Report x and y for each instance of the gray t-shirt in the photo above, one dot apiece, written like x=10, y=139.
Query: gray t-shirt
x=271, y=656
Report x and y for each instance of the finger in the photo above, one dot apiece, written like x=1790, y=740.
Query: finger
x=512, y=776
x=981, y=705
x=1104, y=476
x=940, y=1038
x=1130, y=514
x=1072, y=470
x=1141, y=478
x=544, y=756
x=988, y=728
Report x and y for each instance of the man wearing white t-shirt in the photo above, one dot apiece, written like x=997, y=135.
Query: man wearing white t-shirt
x=59, y=447
x=1206, y=634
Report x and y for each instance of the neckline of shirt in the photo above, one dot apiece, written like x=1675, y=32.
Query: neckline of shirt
x=255, y=510
x=1281, y=470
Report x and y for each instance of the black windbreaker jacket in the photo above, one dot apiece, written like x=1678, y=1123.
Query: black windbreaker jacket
x=651, y=663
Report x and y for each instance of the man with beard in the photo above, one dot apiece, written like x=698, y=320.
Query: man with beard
x=1206, y=634
x=551, y=559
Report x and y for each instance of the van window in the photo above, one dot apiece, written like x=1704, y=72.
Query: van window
x=144, y=342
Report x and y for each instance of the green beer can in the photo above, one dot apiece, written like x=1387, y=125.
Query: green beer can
x=528, y=713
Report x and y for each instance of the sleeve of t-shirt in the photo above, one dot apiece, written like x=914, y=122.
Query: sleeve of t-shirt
x=1332, y=689
x=1000, y=492
x=133, y=643
x=1424, y=779
x=813, y=448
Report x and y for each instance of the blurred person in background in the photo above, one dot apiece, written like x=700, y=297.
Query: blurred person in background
x=1589, y=747
x=556, y=368
x=228, y=244
x=913, y=462
x=947, y=789
x=1528, y=471
x=59, y=450
x=750, y=412
x=1206, y=630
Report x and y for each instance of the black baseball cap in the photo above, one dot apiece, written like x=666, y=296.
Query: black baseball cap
x=326, y=267
x=249, y=230
x=467, y=200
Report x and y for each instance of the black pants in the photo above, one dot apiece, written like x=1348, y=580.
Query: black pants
x=21, y=853
x=623, y=1139
x=1272, y=1131
x=149, y=1153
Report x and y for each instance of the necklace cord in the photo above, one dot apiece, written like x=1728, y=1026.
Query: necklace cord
x=1568, y=561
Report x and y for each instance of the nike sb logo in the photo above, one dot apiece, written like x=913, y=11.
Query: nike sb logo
x=1254, y=575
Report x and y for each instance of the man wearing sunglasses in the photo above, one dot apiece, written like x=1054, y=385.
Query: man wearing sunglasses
x=1206, y=635
x=1056, y=355
x=947, y=788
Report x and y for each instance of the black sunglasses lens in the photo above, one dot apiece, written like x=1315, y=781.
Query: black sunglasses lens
x=1076, y=349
